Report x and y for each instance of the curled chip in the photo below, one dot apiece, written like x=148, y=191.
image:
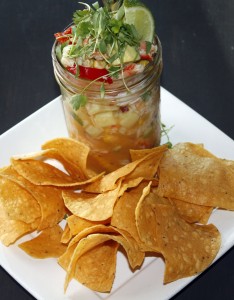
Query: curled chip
x=93, y=207
x=124, y=213
x=84, y=245
x=74, y=155
x=146, y=166
x=96, y=268
x=42, y=173
x=49, y=199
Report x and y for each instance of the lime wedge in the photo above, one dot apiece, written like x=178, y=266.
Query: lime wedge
x=140, y=16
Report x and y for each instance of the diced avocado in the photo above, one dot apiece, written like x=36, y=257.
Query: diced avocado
x=130, y=55
x=99, y=64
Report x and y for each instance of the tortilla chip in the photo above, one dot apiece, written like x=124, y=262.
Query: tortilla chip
x=49, y=198
x=128, y=184
x=145, y=221
x=143, y=167
x=77, y=224
x=96, y=268
x=86, y=244
x=41, y=173
x=124, y=212
x=192, y=213
x=140, y=153
x=12, y=230
x=67, y=235
x=73, y=152
x=17, y=202
x=188, y=249
x=46, y=244
x=203, y=180
x=93, y=207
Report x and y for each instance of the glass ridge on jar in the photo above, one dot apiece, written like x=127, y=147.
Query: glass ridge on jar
x=126, y=117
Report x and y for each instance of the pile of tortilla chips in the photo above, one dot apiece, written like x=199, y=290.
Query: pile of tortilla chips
x=159, y=203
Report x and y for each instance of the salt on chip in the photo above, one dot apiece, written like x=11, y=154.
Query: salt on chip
x=93, y=240
x=12, y=230
x=133, y=170
x=17, y=202
x=96, y=268
x=46, y=244
x=77, y=224
x=188, y=249
x=82, y=247
x=93, y=207
x=196, y=178
x=148, y=165
x=140, y=153
x=124, y=212
x=145, y=220
x=73, y=152
x=41, y=173
x=192, y=213
x=49, y=198
x=128, y=184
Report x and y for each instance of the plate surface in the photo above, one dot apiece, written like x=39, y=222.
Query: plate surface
x=44, y=278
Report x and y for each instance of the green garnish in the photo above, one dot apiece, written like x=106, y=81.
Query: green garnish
x=78, y=100
x=102, y=91
x=100, y=29
x=164, y=132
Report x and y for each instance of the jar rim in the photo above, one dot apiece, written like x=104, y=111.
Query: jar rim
x=135, y=82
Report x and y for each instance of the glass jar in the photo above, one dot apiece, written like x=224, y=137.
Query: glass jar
x=125, y=116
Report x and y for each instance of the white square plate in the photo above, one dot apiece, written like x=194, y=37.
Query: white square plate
x=44, y=278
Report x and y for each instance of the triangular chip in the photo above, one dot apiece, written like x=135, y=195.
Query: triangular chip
x=46, y=244
x=93, y=207
x=193, y=175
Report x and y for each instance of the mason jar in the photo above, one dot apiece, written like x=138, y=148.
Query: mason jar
x=125, y=116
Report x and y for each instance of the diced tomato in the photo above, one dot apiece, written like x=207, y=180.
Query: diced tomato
x=130, y=69
x=68, y=31
x=62, y=37
x=72, y=70
x=143, y=54
x=124, y=108
x=91, y=73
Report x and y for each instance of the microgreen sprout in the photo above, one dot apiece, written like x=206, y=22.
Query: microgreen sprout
x=164, y=132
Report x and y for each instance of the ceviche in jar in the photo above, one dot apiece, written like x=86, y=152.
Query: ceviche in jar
x=108, y=64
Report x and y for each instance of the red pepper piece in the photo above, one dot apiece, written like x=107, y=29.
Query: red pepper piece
x=143, y=54
x=93, y=74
